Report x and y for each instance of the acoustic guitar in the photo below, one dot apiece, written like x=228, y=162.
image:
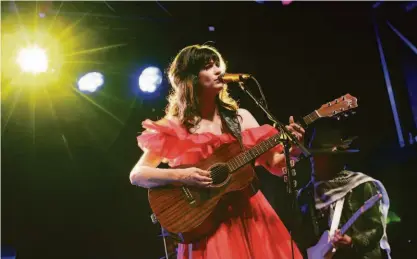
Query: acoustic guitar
x=189, y=211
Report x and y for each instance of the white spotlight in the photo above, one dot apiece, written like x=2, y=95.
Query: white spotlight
x=150, y=79
x=90, y=82
x=33, y=60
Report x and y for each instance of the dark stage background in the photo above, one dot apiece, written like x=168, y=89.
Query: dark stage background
x=66, y=163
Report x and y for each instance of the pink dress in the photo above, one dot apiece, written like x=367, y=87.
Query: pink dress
x=256, y=232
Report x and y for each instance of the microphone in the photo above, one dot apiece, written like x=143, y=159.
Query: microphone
x=234, y=78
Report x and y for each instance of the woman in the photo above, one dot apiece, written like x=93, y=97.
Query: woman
x=190, y=131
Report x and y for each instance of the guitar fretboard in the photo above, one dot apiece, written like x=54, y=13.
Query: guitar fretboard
x=247, y=156
x=359, y=212
x=253, y=153
x=310, y=118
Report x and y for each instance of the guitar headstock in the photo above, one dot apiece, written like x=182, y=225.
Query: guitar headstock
x=340, y=106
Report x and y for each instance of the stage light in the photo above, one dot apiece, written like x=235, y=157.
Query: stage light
x=150, y=79
x=90, y=82
x=33, y=60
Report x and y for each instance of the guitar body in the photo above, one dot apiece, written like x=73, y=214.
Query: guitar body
x=190, y=212
x=322, y=250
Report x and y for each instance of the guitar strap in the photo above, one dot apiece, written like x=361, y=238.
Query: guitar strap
x=232, y=122
x=337, y=213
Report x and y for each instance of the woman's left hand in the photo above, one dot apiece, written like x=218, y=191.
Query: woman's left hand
x=298, y=132
x=296, y=129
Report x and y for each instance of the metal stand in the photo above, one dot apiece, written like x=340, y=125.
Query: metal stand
x=164, y=235
x=287, y=140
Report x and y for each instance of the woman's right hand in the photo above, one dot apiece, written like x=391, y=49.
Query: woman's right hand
x=195, y=176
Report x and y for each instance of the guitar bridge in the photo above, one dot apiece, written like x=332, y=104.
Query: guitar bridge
x=188, y=196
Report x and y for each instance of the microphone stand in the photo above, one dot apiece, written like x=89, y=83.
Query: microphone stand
x=287, y=139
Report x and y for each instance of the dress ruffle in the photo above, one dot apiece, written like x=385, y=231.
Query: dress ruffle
x=176, y=145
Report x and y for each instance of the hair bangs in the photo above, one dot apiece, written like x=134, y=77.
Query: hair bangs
x=204, y=56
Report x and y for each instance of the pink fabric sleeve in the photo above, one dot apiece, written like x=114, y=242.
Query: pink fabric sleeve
x=174, y=143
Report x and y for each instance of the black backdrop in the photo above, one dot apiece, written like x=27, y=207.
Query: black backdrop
x=65, y=186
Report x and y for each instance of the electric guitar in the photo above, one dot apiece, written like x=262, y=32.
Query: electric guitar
x=324, y=248
x=189, y=211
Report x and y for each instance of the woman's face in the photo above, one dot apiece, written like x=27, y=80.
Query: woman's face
x=208, y=78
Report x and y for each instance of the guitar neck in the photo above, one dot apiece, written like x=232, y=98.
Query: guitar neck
x=250, y=154
x=265, y=145
x=349, y=223
x=308, y=119
x=368, y=204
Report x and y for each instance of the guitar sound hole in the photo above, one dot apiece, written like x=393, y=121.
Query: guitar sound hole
x=219, y=174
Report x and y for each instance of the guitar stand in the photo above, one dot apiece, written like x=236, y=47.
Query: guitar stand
x=288, y=139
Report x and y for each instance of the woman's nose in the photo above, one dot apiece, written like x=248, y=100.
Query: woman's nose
x=217, y=70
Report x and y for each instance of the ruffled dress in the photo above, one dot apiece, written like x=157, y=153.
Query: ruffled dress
x=252, y=229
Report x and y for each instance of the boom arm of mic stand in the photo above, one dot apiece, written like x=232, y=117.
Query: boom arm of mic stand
x=277, y=123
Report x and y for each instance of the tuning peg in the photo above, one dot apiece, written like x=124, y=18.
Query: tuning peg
x=338, y=118
x=285, y=178
x=329, y=104
x=346, y=114
x=334, y=112
x=336, y=101
x=343, y=98
x=352, y=112
x=342, y=109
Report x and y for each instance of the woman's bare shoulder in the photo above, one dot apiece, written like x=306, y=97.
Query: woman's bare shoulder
x=247, y=120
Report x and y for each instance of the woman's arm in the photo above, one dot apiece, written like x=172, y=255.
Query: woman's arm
x=274, y=161
x=146, y=174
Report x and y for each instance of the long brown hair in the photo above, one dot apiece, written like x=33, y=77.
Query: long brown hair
x=183, y=76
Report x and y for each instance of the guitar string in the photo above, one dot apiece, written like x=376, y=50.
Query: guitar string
x=218, y=171
x=242, y=156
x=215, y=172
x=265, y=144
